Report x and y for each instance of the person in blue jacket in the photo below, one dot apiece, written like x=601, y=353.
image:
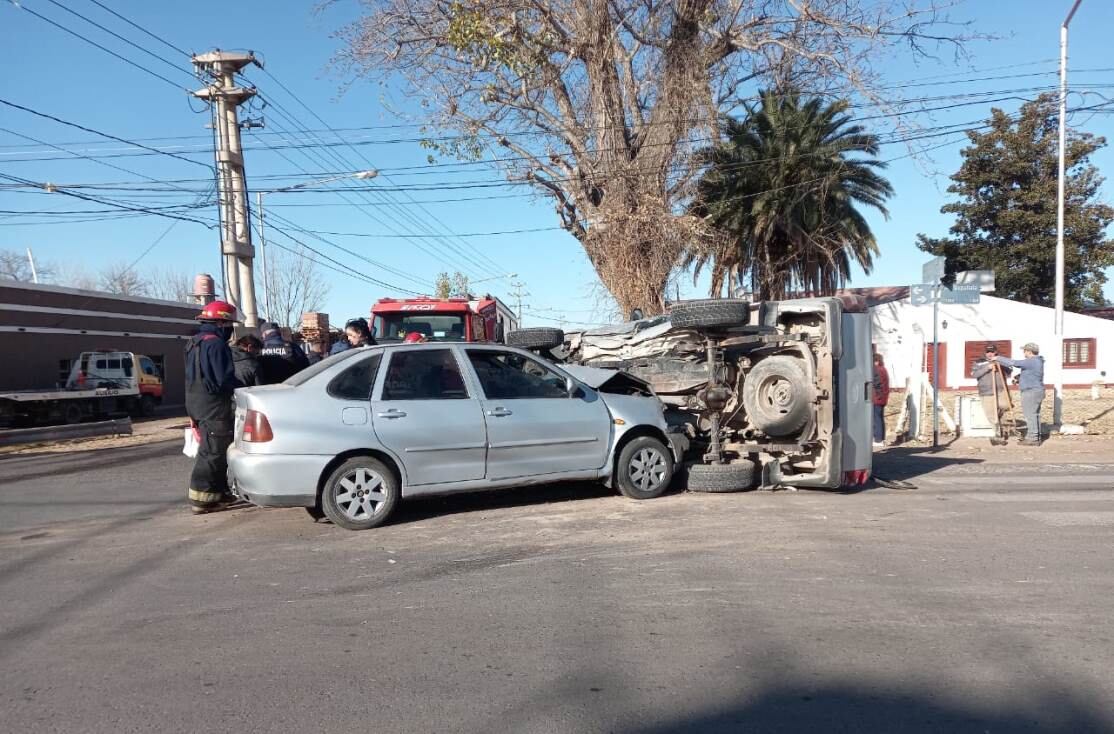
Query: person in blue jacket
x=210, y=382
x=1031, y=381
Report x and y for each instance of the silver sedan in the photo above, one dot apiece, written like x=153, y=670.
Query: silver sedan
x=352, y=435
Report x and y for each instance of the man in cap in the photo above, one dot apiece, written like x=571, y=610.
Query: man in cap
x=210, y=382
x=278, y=359
x=991, y=377
x=1031, y=380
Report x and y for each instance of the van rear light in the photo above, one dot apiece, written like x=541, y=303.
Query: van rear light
x=856, y=478
x=257, y=429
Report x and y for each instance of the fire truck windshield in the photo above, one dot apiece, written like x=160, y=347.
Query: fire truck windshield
x=435, y=327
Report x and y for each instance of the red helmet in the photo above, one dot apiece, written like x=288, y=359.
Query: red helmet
x=414, y=337
x=217, y=311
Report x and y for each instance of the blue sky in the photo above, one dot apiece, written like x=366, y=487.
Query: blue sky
x=53, y=72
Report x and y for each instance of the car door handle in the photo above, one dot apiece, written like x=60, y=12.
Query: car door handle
x=391, y=414
x=499, y=412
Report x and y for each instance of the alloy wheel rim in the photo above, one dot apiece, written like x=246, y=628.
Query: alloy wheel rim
x=648, y=468
x=360, y=494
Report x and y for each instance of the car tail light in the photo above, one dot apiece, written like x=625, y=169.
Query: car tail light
x=257, y=429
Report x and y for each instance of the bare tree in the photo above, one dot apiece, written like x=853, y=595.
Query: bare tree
x=170, y=285
x=123, y=280
x=601, y=103
x=14, y=265
x=72, y=275
x=295, y=287
x=451, y=286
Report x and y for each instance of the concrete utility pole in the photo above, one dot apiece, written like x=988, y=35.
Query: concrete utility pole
x=519, y=294
x=225, y=98
x=1058, y=326
x=34, y=270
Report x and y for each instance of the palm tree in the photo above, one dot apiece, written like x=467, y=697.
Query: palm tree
x=781, y=193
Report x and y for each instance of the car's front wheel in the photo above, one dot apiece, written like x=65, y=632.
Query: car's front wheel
x=644, y=469
x=360, y=494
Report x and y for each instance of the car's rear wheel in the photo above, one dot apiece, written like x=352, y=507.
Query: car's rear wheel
x=360, y=494
x=645, y=468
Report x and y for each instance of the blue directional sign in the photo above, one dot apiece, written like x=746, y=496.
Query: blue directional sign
x=921, y=295
x=968, y=294
x=924, y=293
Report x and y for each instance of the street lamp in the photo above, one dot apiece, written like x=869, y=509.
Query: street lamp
x=494, y=277
x=1058, y=326
x=359, y=175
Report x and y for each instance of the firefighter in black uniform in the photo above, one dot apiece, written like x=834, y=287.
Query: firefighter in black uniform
x=210, y=382
x=278, y=359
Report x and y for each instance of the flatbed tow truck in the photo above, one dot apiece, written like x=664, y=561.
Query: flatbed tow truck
x=100, y=384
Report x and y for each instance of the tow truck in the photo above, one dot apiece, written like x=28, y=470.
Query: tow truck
x=471, y=319
x=100, y=383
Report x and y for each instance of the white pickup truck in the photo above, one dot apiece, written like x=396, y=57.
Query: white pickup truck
x=100, y=384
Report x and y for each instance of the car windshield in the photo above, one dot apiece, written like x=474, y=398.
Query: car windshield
x=433, y=326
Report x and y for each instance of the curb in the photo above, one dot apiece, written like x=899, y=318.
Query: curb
x=15, y=436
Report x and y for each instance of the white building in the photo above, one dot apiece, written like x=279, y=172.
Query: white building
x=903, y=335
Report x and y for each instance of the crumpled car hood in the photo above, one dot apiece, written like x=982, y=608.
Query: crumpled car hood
x=599, y=379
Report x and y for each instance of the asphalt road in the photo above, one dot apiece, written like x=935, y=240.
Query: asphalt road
x=979, y=602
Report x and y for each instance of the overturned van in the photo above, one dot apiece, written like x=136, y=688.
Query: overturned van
x=764, y=394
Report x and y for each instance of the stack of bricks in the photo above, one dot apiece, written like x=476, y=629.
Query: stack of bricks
x=315, y=328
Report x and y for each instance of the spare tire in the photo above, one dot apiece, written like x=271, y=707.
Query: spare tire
x=778, y=396
x=720, y=478
x=538, y=338
x=709, y=314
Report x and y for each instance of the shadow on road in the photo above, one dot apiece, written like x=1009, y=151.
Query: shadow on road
x=419, y=509
x=905, y=464
x=850, y=709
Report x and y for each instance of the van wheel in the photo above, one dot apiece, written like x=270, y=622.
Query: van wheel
x=719, y=478
x=777, y=395
x=360, y=494
x=644, y=468
x=712, y=313
x=536, y=338
x=146, y=406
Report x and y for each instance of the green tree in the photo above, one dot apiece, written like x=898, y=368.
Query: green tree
x=451, y=286
x=1006, y=209
x=783, y=191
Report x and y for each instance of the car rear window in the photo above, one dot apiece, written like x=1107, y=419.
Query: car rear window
x=326, y=364
x=355, y=382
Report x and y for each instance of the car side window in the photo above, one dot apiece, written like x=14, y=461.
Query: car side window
x=426, y=374
x=510, y=376
x=355, y=382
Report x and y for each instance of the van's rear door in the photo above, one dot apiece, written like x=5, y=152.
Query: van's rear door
x=856, y=373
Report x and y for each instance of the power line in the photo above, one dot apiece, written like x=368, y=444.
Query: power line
x=101, y=134
x=140, y=28
x=91, y=42
x=431, y=215
x=116, y=35
x=362, y=191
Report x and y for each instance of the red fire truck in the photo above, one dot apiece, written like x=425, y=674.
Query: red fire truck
x=443, y=319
